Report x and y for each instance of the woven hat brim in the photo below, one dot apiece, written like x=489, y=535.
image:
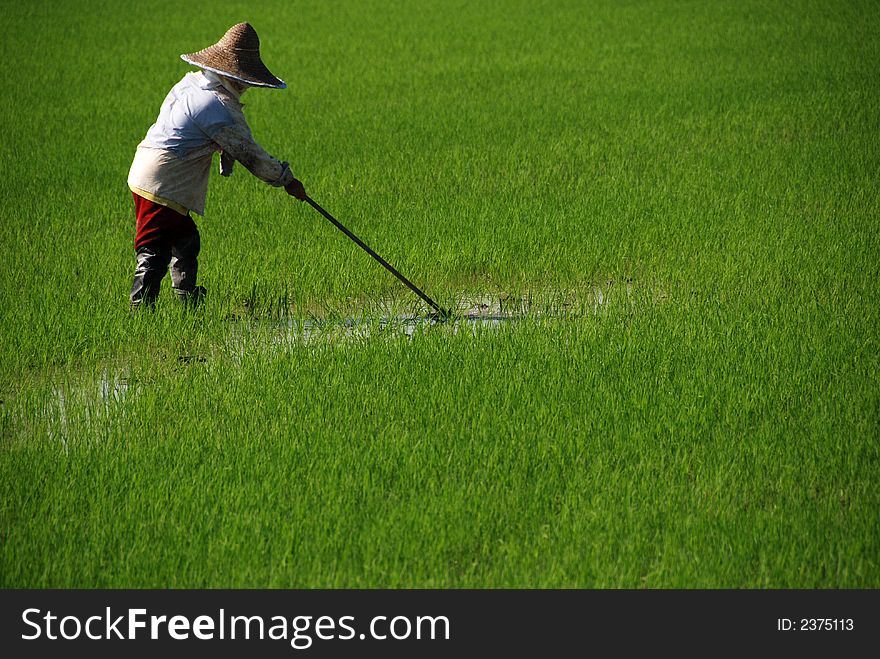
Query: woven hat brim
x=258, y=75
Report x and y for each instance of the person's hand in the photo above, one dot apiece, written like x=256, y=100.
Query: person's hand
x=296, y=189
x=226, y=163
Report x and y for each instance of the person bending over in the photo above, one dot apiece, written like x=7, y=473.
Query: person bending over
x=169, y=175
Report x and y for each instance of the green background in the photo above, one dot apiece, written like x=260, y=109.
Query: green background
x=683, y=193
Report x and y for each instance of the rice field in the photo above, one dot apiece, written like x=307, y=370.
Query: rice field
x=658, y=222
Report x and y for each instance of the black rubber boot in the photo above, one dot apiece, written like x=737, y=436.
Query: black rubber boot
x=151, y=266
x=191, y=298
x=185, y=268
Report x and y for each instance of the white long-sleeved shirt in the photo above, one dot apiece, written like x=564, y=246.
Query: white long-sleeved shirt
x=200, y=115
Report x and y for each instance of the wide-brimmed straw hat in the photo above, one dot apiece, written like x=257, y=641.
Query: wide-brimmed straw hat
x=236, y=55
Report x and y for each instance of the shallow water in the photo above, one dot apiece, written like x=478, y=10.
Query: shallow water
x=89, y=398
x=388, y=319
x=85, y=399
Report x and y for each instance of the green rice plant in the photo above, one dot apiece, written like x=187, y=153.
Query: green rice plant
x=671, y=208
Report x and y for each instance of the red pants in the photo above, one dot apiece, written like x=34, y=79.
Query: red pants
x=159, y=225
x=164, y=237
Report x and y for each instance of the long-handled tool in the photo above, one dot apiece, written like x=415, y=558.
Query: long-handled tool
x=442, y=314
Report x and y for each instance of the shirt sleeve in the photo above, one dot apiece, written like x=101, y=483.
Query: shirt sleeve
x=209, y=114
x=237, y=141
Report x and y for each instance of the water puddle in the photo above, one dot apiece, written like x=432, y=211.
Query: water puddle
x=83, y=402
x=484, y=312
x=394, y=318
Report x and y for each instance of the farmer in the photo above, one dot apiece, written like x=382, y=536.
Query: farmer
x=169, y=176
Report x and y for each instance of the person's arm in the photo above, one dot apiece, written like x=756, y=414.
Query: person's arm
x=225, y=124
x=236, y=142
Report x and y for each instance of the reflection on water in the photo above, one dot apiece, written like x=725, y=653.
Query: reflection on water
x=79, y=403
x=387, y=320
x=84, y=400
